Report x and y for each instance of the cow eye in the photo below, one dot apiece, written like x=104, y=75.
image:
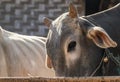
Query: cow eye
x=71, y=46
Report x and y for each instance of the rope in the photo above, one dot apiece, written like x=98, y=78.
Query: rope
x=97, y=67
x=110, y=55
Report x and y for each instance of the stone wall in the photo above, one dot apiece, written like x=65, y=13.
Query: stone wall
x=25, y=16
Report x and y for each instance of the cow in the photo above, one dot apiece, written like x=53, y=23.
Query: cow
x=95, y=6
x=22, y=55
x=92, y=6
x=81, y=46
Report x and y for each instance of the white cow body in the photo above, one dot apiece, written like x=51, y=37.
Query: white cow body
x=22, y=55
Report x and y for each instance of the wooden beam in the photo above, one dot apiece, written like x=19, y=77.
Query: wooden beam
x=41, y=79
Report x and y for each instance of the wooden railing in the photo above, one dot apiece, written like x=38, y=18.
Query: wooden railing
x=42, y=79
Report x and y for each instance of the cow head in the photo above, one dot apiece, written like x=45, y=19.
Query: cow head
x=74, y=45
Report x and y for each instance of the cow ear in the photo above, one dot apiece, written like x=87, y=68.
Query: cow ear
x=48, y=62
x=47, y=21
x=72, y=11
x=101, y=38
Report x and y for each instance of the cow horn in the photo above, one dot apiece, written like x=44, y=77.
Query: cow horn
x=47, y=21
x=72, y=11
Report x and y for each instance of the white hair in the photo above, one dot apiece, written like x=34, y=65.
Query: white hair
x=22, y=55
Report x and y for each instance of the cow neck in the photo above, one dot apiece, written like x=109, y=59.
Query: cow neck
x=104, y=63
x=105, y=17
x=107, y=54
x=98, y=67
x=107, y=51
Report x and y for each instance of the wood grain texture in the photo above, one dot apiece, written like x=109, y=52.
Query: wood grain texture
x=42, y=79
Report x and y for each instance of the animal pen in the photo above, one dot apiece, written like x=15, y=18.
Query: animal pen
x=25, y=17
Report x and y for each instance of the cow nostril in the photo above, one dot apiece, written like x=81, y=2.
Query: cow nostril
x=71, y=46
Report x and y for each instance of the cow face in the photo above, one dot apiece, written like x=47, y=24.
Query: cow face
x=74, y=45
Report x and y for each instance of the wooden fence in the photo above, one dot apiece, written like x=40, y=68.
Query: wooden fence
x=41, y=79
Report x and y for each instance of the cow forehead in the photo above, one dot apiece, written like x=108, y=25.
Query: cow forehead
x=60, y=18
x=63, y=19
x=61, y=27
